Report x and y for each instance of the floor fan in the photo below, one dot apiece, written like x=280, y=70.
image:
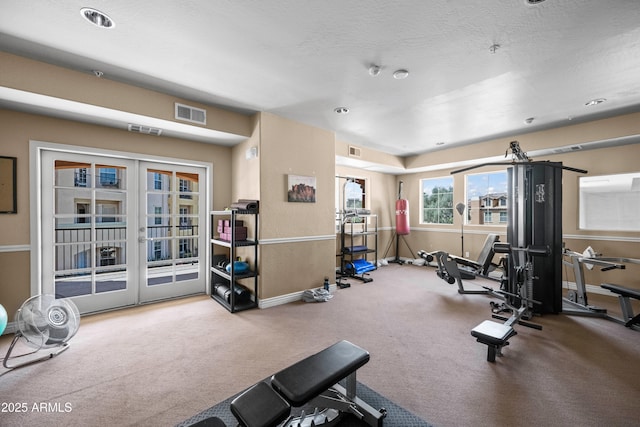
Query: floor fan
x=44, y=322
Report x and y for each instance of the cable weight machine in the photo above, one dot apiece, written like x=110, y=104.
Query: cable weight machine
x=534, y=230
x=534, y=213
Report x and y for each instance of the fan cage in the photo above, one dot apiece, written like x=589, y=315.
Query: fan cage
x=45, y=321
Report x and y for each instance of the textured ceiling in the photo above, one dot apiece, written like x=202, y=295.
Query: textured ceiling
x=300, y=59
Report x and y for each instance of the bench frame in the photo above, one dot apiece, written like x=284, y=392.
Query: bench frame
x=313, y=381
x=624, y=294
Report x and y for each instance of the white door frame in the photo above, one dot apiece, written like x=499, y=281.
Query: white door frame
x=35, y=175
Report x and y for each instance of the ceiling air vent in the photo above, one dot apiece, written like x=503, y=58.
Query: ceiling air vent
x=144, y=129
x=354, y=151
x=191, y=114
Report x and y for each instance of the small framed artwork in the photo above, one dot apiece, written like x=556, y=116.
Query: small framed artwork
x=301, y=189
x=8, y=191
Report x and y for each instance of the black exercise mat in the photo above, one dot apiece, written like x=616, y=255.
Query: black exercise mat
x=396, y=415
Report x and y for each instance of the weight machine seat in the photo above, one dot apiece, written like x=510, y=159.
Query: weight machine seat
x=495, y=335
x=260, y=406
x=309, y=377
x=484, y=262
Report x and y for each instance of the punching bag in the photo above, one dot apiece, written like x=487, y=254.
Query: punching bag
x=402, y=214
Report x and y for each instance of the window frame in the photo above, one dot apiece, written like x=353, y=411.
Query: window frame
x=439, y=209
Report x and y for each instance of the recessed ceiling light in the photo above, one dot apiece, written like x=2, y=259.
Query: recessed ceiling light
x=341, y=110
x=97, y=18
x=400, y=74
x=529, y=120
x=374, y=70
x=535, y=1
x=595, y=101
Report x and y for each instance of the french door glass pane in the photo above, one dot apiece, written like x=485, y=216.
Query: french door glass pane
x=90, y=228
x=172, y=223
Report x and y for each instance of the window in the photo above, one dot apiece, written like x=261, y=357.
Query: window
x=107, y=256
x=108, y=177
x=486, y=195
x=437, y=200
x=157, y=181
x=157, y=251
x=106, y=210
x=80, y=177
x=350, y=194
x=185, y=221
x=83, y=210
x=157, y=220
x=354, y=194
x=610, y=202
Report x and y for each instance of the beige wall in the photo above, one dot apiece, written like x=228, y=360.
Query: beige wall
x=597, y=162
x=19, y=128
x=32, y=76
x=297, y=244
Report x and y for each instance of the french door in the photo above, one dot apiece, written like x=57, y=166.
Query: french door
x=118, y=232
x=171, y=231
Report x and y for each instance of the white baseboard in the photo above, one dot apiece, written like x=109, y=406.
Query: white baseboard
x=11, y=328
x=593, y=289
x=287, y=298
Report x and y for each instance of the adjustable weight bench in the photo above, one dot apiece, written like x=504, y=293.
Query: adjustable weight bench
x=313, y=381
x=628, y=319
x=495, y=335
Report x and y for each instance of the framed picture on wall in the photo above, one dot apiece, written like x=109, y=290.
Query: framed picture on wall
x=8, y=195
x=301, y=189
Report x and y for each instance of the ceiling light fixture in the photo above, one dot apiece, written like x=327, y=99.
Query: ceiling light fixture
x=595, y=101
x=97, y=18
x=535, y=1
x=341, y=110
x=400, y=74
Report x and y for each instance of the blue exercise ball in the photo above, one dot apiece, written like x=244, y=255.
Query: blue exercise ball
x=3, y=319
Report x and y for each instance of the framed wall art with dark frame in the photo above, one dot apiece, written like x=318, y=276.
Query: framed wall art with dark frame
x=8, y=189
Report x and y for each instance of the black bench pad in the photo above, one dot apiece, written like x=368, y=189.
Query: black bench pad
x=260, y=405
x=309, y=377
x=621, y=290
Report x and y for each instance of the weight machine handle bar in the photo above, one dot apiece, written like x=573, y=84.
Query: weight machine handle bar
x=505, y=248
